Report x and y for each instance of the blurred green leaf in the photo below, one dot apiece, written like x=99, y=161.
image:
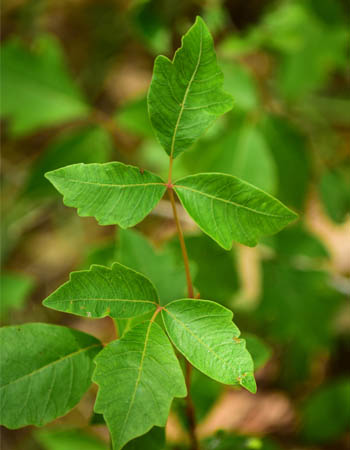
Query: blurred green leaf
x=87, y=145
x=45, y=370
x=153, y=440
x=309, y=48
x=15, y=289
x=292, y=300
x=225, y=441
x=36, y=87
x=296, y=241
x=204, y=392
x=133, y=117
x=159, y=265
x=289, y=151
x=326, y=413
x=222, y=283
x=59, y=439
x=241, y=85
x=260, y=352
x=334, y=189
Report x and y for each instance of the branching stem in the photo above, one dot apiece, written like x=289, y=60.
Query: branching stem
x=190, y=412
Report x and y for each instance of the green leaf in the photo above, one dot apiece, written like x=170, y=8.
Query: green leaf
x=224, y=441
x=58, y=439
x=160, y=266
x=153, y=440
x=235, y=210
x=326, y=413
x=204, y=333
x=221, y=283
x=113, y=193
x=138, y=376
x=290, y=153
x=334, y=190
x=258, y=349
x=186, y=95
x=36, y=88
x=87, y=145
x=14, y=291
x=101, y=291
x=133, y=117
x=45, y=370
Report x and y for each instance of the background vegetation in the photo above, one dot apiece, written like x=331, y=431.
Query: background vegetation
x=74, y=79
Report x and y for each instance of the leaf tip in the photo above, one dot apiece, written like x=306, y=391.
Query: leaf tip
x=247, y=381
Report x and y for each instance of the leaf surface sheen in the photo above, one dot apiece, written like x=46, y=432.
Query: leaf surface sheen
x=118, y=291
x=235, y=210
x=204, y=333
x=186, y=94
x=113, y=193
x=138, y=376
x=45, y=370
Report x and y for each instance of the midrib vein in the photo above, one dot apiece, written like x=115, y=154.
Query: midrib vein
x=50, y=365
x=138, y=378
x=219, y=199
x=72, y=180
x=197, y=338
x=107, y=300
x=185, y=96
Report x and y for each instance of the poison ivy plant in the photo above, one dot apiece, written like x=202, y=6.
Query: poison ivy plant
x=138, y=374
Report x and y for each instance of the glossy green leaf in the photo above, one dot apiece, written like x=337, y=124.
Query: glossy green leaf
x=45, y=370
x=234, y=210
x=87, y=145
x=138, y=376
x=204, y=333
x=68, y=439
x=101, y=291
x=36, y=88
x=186, y=95
x=113, y=193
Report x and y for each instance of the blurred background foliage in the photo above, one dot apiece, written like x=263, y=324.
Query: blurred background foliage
x=74, y=78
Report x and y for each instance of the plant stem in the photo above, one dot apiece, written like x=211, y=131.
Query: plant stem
x=189, y=404
x=183, y=245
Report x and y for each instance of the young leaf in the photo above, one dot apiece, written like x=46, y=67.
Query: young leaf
x=186, y=95
x=117, y=292
x=138, y=376
x=235, y=210
x=36, y=88
x=45, y=370
x=113, y=193
x=204, y=333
